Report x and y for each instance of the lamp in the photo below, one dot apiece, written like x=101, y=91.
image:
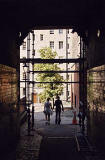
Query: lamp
x=28, y=109
x=25, y=71
x=25, y=67
x=98, y=33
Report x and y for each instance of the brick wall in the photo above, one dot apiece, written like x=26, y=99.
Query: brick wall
x=8, y=81
x=96, y=105
x=8, y=106
x=75, y=88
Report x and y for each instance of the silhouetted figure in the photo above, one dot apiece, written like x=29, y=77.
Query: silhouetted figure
x=83, y=119
x=59, y=106
x=82, y=115
x=47, y=110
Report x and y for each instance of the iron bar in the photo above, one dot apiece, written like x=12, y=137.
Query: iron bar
x=25, y=94
x=83, y=67
x=66, y=64
x=28, y=68
x=63, y=82
x=89, y=71
x=80, y=68
x=54, y=71
x=33, y=54
x=48, y=82
x=39, y=60
x=28, y=84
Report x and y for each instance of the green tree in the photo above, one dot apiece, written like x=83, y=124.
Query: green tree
x=49, y=89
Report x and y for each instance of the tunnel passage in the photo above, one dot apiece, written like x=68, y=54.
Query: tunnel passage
x=92, y=115
x=87, y=19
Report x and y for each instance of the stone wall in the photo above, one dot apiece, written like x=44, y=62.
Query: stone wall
x=9, y=88
x=96, y=48
x=8, y=81
x=8, y=106
x=96, y=105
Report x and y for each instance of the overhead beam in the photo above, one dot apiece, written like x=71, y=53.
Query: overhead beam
x=46, y=82
x=88, y=71
x=39, y=60
x=54, y=71
x=62, y=82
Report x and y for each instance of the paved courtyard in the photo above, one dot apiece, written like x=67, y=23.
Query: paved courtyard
x=52, y=142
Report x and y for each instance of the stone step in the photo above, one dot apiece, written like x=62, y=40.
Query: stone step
x=88, y=151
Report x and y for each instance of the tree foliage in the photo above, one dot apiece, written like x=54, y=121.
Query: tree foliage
x=49, y=89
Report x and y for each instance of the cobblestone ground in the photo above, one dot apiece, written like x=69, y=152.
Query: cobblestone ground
x=27, y=148
x=58, y=140
x=52, y=142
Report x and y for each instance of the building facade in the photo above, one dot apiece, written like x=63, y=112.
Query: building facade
x=64, y=42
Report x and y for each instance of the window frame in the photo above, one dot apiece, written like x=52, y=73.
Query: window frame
x=41, y=37
x=24, y=90
x=52, y=44
x=67, y=45
x=52, y=31
x=24, y=45
x=60, y=31
x=60, y=44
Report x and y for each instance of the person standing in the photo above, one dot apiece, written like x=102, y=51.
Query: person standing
x=80, y=116
x=47, y=110
x=59, y=106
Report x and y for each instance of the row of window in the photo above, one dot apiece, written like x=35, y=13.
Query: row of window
x=51, y=44
x=60, y=45
x=60, y=31
x=52, y=32
x=41, y=36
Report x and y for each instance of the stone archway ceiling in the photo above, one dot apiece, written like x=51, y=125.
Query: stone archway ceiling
x=81, y=15
x=70, y=12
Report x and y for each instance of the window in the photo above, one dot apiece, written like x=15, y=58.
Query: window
x=68, y=31
x=24, y=45
x=24, y=91
x=51, y=44
x=23, y=75
x=41, y=37
x=68, y=93
x=67, y=76
x=67, y=45
x=52, y=31
x=33, y=52
x=60, y=31
x=60, y=44
x=33, y=37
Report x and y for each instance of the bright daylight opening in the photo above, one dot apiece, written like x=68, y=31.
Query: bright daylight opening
x=56, y=75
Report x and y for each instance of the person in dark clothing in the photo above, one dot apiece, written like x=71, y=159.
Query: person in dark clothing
x=59, y=106
x=80, y=117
